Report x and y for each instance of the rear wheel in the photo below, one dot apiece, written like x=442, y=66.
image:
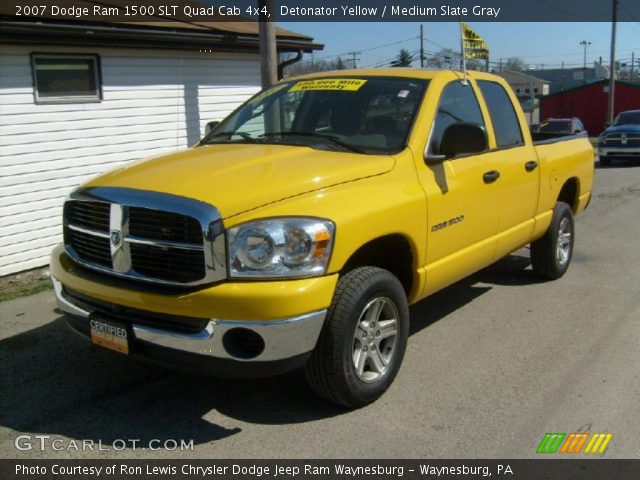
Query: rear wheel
x=363, y=341
x=551, y=254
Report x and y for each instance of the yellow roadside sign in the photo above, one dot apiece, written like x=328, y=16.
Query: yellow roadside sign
x=345, y=84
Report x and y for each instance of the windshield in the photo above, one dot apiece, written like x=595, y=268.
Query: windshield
x=628, y=118
x=561, y=126
x=371, y=115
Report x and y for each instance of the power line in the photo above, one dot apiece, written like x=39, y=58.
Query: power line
x=355, y=58
x=436, y=44
x=630, y=16
x=413, y=56
x=572, y=13
x=370, y=48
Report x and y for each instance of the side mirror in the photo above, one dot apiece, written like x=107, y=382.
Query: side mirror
x=210, y=126
x=461, y=138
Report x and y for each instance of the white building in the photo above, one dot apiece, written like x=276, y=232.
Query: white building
x=77, y=99
x=525, y=86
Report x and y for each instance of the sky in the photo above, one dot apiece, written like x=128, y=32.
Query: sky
x=537, y=44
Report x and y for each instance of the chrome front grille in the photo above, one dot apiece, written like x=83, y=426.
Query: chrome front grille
x=89, y=247
x=157, y=225
x=176, y=264
x=91, y=215
x=622, y=138
x=146, y=236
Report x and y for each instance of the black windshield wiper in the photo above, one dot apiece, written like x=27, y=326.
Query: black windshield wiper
x=334, y=138
x=245, y=135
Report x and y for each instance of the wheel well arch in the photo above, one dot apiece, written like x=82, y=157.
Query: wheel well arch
x=392, y=252
x=569, y=193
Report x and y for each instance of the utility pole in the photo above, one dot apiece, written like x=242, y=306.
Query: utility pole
x=500, y=68
x=421, y=47
x=268, y=48
x=562, y=76
x=532, y=99
x=612, y=65
x=355, y=59
x=463, y=57
x=584, y=44
x=633, y=62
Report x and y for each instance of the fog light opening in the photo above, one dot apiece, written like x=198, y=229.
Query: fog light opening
x=243, y=343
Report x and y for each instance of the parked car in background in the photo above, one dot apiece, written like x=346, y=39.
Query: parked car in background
x=622, y=139
x=554, y=127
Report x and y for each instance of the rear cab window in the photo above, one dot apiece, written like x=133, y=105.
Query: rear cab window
x=505, y=122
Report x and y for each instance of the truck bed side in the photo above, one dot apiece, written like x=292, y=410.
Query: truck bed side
x=566, y=172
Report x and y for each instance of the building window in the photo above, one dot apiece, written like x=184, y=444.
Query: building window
x=66, y=78
x=535, y=90
x=527, y=90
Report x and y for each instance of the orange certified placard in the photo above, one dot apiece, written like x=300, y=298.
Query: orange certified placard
x=110, y=335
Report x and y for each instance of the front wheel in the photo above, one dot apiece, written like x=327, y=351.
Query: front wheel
x=363, y=341
x=551, y=254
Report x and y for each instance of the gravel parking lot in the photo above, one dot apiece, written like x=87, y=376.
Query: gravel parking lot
x=493, y=363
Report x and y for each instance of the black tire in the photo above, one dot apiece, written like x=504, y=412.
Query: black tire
x=330, y=371
x=605, y=161
x=546, y=259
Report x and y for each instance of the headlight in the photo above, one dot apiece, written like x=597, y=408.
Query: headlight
x=280, y=247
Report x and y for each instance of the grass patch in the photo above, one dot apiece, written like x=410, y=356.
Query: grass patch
x=23, y=291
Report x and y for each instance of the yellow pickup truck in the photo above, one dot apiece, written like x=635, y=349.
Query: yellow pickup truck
x=298, y=231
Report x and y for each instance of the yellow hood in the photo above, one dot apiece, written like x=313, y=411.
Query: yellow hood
x=241, y=177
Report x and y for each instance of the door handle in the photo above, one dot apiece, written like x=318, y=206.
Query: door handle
x=491, y=176
x=531, y=166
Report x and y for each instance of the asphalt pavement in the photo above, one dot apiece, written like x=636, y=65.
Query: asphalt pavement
x=493, y=363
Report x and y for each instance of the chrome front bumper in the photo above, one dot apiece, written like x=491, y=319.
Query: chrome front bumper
x=283, y=338
x=618, y=151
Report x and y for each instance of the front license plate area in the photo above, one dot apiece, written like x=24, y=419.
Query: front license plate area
x=109, y=334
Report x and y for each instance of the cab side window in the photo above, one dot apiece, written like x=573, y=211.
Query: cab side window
x=503, y=116
x=458, y=104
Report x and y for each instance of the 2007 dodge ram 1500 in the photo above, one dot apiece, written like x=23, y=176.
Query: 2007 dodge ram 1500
x=299, y=230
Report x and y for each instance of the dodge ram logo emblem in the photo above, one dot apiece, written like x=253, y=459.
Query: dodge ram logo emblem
x=116, y=238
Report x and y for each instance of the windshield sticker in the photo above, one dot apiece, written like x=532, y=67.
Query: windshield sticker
x=403, y=93
x=266, y=93
x=344, y=84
